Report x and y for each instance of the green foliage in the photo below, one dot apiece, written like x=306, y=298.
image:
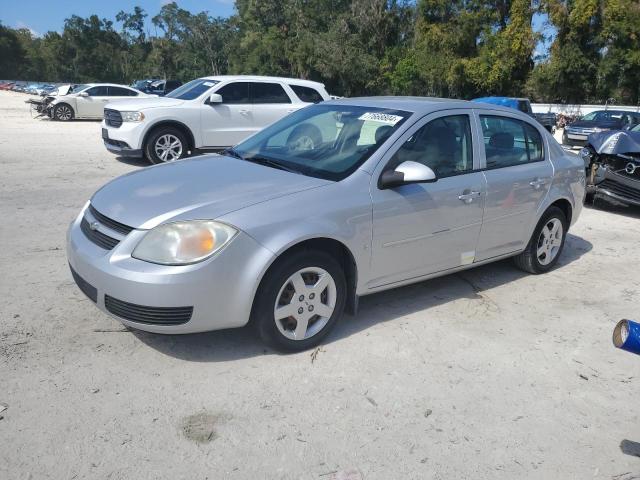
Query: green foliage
x=456, y=48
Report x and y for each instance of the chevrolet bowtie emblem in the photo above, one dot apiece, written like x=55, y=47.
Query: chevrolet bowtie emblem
x=94, y=225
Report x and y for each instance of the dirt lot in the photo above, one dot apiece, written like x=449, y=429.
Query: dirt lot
x=488, y=374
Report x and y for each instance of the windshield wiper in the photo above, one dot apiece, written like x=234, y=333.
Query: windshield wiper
x=233, y=153
x=270, y=163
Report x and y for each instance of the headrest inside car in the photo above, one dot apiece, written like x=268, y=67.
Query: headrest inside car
x=501, y=140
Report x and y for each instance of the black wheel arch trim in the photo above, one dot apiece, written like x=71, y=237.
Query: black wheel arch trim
x=171, y=123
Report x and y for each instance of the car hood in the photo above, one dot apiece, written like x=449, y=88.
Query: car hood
x=593, y=124
x=136, y=104
x=615, y=142
x=205, y=187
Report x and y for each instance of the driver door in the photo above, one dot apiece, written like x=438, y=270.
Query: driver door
x=228, y=123
x=424, y=228
x=92, y=105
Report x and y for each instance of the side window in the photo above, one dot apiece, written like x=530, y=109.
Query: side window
x=268, y=93
x=121, y=92
x=307, y=94
x=508, y=141
x=235, y=93
x=98, y=92
x=444, y=145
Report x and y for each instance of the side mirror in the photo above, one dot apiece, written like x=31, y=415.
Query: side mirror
x=215, y=98
x=83, y=94
x=405, y=173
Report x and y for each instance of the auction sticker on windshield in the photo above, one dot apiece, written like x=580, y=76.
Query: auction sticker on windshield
x=380, y=118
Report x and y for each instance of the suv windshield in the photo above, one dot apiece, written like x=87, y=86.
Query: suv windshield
x=324, y=141
x=192, y=89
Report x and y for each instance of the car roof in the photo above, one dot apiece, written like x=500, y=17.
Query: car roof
x=107, y=85
x=418, y=104
x=292, y=81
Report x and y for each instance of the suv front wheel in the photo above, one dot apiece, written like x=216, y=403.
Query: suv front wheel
x=166, y=144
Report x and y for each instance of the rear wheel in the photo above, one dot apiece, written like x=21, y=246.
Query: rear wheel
x=166, y=144
x=300, y=300
x=546, y=243
x=63, y=112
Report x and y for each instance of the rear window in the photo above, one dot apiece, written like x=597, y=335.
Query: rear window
x=509, y=141
x=121, y=92
x=307, y=94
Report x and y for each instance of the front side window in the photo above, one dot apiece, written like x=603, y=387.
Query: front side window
x=97, y=92
x=508, y=141
x=324, y=141
x=443, y=144
x=192, y=89
x=235, y=93
x=268, y=93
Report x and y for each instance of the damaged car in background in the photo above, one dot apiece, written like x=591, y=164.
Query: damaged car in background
x=612, y=160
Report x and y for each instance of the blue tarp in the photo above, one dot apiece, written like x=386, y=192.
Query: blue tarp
x=502, y=101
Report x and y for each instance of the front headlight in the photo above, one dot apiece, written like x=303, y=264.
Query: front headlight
x=132, y=116
x=182, y=243
x=601, y=129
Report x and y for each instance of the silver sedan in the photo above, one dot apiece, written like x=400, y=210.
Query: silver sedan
x=338, y=200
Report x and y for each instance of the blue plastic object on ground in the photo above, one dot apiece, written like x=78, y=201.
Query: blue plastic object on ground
x=626, y=335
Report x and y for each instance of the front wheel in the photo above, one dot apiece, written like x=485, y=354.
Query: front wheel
x=546, y=243
x=166, y=144
x=63, y=112
x=300, y=300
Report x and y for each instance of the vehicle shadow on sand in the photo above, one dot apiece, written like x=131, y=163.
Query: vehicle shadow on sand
x=226, y=345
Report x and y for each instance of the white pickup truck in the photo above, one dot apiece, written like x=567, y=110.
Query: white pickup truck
x=208, y=113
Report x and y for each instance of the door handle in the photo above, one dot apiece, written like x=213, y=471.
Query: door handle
x=468, y=196
x=538, y=182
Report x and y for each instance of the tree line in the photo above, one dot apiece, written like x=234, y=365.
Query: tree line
x=444, y=48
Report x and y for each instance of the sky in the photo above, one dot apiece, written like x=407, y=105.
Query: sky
x=40, y=16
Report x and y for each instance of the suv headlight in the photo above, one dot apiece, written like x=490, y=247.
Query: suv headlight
x=601, y=129
x=132, y=116
x=184, y=242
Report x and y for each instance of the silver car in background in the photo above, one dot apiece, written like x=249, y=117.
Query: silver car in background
x=335, y=201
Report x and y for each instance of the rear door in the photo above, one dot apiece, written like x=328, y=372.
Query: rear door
x=227, y=123
x=270, y=103
x=92, y=105
x=518, y=173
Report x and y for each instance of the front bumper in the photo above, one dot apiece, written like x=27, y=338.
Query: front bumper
x=616, y=186
x=574, y=140
x=125, y=140
x=219, y=290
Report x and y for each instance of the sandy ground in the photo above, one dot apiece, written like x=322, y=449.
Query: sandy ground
x=488, y=374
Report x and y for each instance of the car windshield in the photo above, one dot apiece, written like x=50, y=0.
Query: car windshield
x=324, y=141
x=77, y=88
x=192, y=89
x=602, y=115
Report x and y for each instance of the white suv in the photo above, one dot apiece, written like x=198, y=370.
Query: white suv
x=206, y=113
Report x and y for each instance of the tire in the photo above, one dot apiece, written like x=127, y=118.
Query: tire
x=63, y=112
x=304, y=137
x=168, y=141
x=277, y=291
x=551, y=246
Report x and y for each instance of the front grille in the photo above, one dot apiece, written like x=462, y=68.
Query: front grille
x=112, y=224
x=148, y=315
x=99, y=238
x=88, y=289
x=620, y=189
x=113, y=118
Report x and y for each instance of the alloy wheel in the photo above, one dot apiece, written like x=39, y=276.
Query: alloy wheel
x=549, y=241
x=168, y=147
x=63, y=113
x=305, y=303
